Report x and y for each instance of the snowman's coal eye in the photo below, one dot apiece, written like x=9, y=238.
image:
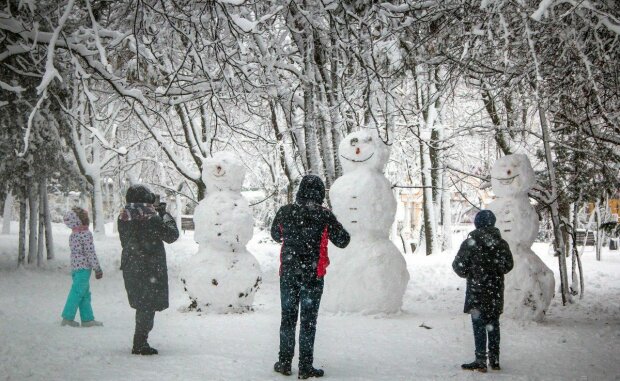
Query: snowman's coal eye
x=368, y=139
x=354, y=142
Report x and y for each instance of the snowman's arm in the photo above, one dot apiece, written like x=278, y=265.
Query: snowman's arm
x=337, y=233
x=504, y=262
x=276, y=227
x=462, y=261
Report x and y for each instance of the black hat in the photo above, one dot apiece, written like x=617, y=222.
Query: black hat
x=139, y=193
x=484, y=218
x=312, y=189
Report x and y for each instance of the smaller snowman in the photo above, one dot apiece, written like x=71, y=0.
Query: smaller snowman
x=370, y=275
x=223, y=276
x=530, y=285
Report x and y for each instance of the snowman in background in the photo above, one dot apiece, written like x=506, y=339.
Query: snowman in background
x=223, y=276
x=370, y=275
x=530, y=285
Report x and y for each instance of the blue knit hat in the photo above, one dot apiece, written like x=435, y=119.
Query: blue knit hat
x=484, y=218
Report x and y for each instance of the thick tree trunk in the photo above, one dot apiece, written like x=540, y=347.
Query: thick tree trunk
x=21, y=246
x=555, y=215
x=97, y=207
x=32, y=222
x=7, y=215
x=430, y=236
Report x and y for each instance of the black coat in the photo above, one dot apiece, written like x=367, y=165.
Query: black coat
x=483, y=258
x=304, y=229
x=143, y=260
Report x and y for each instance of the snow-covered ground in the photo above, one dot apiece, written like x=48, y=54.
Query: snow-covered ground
x=577, y=342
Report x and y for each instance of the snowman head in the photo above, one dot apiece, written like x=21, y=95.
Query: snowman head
x=512, y=175
x=363, y=149
x=223, y=171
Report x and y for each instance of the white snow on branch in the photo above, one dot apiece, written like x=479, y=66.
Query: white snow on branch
x=231, y=2
x=243, y=23
x=542, y=9
x=50, y=71
x=105, y=143
x=7, y=87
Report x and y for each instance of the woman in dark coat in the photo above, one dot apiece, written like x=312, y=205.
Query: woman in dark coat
x=143, y=228
x=483, y=258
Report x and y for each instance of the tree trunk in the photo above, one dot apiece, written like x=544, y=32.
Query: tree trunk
x=21, y=246
x=7, y=215
x=49, y=236
x=32, y=222
x=310, y=132
x=97, y=207
x=555, y=215
x=446, y=212
x=41, y=237
x=427, y=202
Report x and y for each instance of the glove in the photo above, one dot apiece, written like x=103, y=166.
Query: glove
x=161, y=209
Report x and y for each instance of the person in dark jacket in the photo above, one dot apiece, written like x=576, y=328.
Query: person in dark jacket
x=304, y=229
x=484, y=258
x=143, y=228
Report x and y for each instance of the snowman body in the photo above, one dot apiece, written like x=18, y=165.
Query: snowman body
x=223, y=276
x=369, y=275
x=529, y=287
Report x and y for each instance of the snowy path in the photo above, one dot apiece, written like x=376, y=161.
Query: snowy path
x=579, y=342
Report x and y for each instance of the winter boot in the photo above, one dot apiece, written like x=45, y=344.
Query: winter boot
x=305, y=373
x=70, y=323
x=92, y=323
x=141, y=346
x=144, y=350
x=480, y=365
x=494, y=362
x=283, y=368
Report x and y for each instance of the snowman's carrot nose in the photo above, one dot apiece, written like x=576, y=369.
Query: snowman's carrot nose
x=357, y=151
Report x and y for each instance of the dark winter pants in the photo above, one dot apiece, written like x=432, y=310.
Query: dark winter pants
x=144, y=325
x=486, y=327
x=296, y=290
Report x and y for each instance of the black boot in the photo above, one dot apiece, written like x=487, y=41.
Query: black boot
x=283, y=368
x=141, y=346
x=145, y=350
x=305, y=373
x=494, y=362
x=480, y=365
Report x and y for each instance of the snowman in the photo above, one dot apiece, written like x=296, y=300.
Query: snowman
x=530, y=285
x=223, y=276
x=370, y=275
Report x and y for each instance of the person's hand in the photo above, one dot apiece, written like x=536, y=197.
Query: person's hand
x=161, y=208
x=99, y=274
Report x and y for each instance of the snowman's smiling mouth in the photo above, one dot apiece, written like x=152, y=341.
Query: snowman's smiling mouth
x=219, y=174
x=358, y=161
x=507, y=180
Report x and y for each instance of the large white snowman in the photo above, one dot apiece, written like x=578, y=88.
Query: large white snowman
x=370, y=275
x=529, y=287
x=223, y=276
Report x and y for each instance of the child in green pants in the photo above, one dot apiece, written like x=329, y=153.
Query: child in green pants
x=83, y=262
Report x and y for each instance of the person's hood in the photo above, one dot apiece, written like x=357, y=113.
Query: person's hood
x=489, y=236
x=72, y=220
x=484, y=218
x=311, y=189
x=139, y=194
